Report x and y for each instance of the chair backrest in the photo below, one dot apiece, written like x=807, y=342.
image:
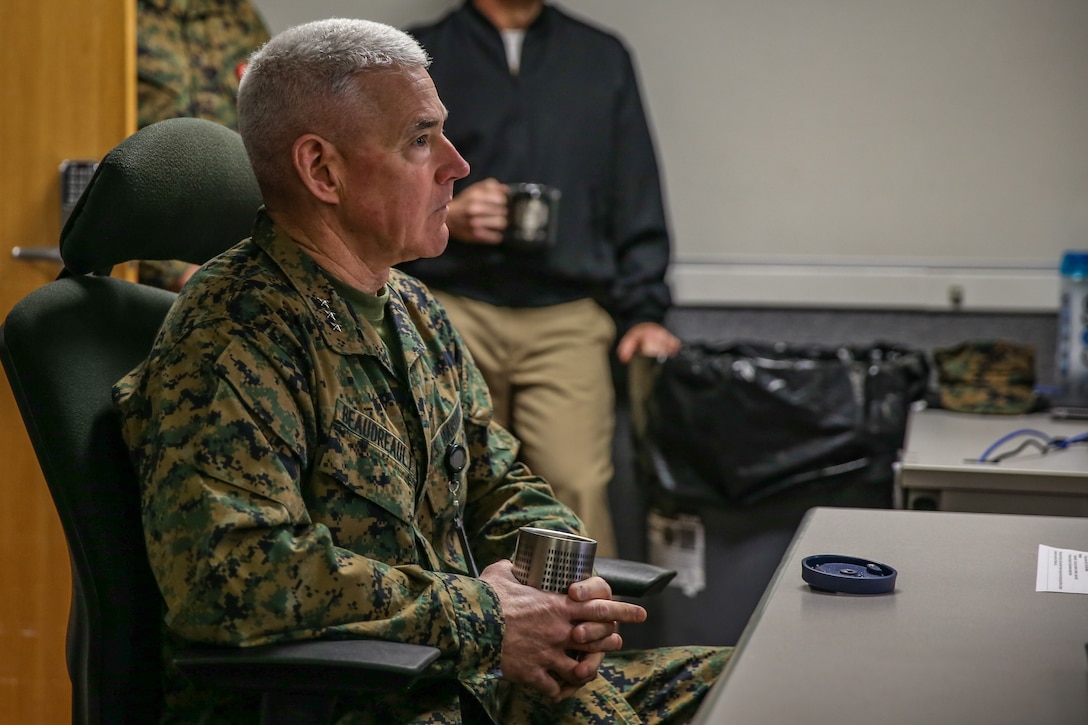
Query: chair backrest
x=66, y=344
x=178, y=189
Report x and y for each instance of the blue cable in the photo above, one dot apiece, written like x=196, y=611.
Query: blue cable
x=1066, y=442
x=1009, y=436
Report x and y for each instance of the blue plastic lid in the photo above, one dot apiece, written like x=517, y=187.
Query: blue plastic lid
x=847, y=574
x=1075, y=264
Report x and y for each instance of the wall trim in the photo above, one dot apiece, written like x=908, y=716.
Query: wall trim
x=906, y=287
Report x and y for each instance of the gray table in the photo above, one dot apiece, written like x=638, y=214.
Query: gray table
x=938, y=470
x=964, y=639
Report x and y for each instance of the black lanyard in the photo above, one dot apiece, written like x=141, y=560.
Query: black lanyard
x=456, y=458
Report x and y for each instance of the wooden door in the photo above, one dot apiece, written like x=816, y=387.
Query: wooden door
x=67, y=80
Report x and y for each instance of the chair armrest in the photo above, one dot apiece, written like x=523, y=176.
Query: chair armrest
x=632, y=578
x=336, y=665
x=350, y=665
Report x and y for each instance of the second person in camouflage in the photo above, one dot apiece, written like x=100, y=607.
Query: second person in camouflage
x=190, y=55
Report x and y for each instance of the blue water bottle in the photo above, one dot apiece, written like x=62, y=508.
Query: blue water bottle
x=1072, y=349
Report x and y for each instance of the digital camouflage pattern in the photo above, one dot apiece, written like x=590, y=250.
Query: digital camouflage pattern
x=632, y=688
x=643, y=686
x=163, y=273
x=189, y=54
x=986, y=376
x=292, y=488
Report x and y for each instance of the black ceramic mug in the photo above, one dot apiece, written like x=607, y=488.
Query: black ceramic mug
x=532, y=216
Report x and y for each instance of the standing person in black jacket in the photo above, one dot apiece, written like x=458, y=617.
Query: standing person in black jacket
x=537, y=96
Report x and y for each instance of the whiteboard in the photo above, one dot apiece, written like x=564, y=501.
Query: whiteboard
x=838, y=137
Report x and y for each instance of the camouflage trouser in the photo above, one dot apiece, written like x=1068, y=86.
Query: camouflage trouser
x=648, y=686
x=651, y=686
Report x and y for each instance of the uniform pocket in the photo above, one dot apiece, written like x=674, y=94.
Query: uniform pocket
x=367, y=458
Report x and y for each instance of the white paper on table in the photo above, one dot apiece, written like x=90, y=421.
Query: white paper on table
x=1061, y=570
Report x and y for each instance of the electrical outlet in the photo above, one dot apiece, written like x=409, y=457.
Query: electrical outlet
x=955, y=296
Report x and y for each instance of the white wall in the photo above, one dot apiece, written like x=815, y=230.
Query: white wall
x=281, y=14
x=852, y=152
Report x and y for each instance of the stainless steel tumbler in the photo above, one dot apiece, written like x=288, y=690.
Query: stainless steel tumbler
x=552, y=560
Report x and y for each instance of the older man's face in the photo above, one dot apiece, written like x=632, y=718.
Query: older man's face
x=399, y=172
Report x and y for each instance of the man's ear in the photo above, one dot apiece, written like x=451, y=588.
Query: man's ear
x=317, y=164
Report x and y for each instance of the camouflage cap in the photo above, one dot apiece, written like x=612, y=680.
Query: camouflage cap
x=986, y=376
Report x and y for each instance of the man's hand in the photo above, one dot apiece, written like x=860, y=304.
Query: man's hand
x=544, y=630
x=478, y=213
x=649, y=339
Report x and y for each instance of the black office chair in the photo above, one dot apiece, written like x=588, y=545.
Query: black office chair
x=179, y=189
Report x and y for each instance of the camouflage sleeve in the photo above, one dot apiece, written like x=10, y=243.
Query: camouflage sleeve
x=223, y=434
x=166, y=274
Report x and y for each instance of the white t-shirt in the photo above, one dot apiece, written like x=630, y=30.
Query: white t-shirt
x=512, y=40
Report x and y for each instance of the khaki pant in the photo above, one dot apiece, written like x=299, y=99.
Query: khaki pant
x=551, y=383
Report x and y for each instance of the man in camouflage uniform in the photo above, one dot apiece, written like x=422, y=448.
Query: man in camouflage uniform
x=291, y=425
x=190, y=55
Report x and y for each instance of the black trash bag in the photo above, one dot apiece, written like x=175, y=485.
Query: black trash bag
x=738, y=422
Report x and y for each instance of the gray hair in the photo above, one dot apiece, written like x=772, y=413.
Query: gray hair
x=302, y=80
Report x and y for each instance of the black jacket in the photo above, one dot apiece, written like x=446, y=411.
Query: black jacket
x=572, y=118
